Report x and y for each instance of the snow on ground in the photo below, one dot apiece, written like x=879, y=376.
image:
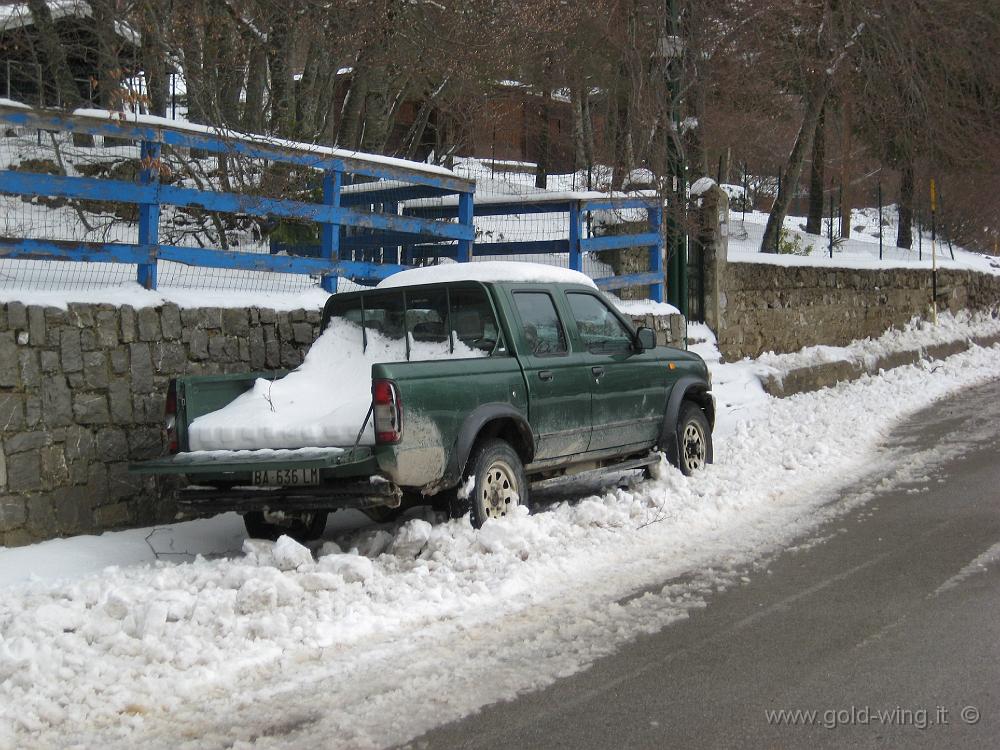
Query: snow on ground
x=860, y=250
x=384, y=632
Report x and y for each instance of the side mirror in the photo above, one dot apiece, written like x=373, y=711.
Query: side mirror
x=646, y=338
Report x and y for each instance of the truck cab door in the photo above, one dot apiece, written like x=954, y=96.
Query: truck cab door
x=558, y=379
x=629, y=386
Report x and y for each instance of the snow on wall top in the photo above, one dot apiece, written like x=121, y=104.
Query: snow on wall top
x=487, y=271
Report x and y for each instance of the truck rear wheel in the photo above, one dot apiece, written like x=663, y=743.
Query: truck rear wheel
x=498, y=483
x=302, y=527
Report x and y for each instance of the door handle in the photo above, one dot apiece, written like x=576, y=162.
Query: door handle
x=598, y=371
x=545, y=374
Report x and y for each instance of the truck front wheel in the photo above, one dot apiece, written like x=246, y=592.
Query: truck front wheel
x=493, y=484
x=302, y=527
x=694, y=439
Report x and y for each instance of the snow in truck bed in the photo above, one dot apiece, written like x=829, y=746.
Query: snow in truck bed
x=322, y=403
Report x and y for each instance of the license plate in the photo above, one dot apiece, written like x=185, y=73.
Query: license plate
x=287, y=477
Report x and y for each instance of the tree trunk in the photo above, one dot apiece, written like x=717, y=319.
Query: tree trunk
x=793, y=168
x=542, y=165
x=588, y=130
x=191, y=49
x=349, y=133
x=306, y=100
x=154, y=57
x=845, y=166
x=579, y=150
x=54, y=54
x=377, y=110
x=109, y=91
x=282, y=91
x=814, y=218
x=904, y=237
x=253, y=113
x=624, y=156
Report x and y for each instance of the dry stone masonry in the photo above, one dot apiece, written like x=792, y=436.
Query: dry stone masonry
x=82, y=393
x=765, y=307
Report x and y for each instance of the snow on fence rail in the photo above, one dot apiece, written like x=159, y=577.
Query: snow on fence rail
x=96, y=199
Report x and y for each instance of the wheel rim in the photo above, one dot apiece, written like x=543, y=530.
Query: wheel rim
x=693, y=447
x=498, y=492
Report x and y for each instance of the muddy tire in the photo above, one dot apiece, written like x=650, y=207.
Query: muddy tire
x=498, y=483
x=694, y=440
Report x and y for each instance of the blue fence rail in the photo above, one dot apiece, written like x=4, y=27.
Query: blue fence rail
x=333, y=215
x=375, y=215
x=574, y=206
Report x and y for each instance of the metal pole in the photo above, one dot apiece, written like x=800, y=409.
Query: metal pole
x=746, y=192
x=880, y=221
x=831, y=225
x=676, y=248
x=777, y=235
x=8, y=79
x=920, y=236
x=934, y=251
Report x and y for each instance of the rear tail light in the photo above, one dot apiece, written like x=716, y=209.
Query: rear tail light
x=387, y=411
x=170, y=417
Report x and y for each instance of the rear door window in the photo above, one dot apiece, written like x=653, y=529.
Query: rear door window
x=542, y=329
x=473, y=323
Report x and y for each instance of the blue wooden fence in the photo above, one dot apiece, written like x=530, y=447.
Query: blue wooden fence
x=575, y=206
x=368, y=204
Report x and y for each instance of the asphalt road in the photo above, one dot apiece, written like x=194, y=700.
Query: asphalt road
x=876, y=617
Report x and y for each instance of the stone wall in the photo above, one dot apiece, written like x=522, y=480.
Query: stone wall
x=764, y=307
x=82, y=393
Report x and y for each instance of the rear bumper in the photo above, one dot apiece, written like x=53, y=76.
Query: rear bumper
x=222, y=480
x=198, y=500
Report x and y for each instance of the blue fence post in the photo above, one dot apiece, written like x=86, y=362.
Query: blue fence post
x=149, y=213
x=329, y=232
x=575, y=235
x=465, y=218
x=656, y=252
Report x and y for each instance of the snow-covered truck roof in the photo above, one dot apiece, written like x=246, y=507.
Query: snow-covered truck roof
x=487, y=271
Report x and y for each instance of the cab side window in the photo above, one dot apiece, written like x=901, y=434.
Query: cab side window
x=542, y=329
x=472, y=321
x=598, y=326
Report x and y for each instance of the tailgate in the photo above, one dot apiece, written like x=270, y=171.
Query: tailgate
x=240, y=465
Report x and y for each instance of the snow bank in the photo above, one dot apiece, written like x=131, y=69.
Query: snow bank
x=321, y=403
x=487, y=271
x=917, y=334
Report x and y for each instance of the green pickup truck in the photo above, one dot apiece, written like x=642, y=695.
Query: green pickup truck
x=497, y=384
